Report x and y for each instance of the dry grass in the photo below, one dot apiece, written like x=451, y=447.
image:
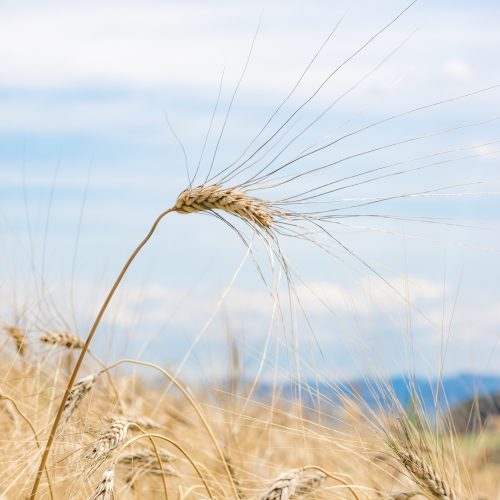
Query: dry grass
x=275, y=451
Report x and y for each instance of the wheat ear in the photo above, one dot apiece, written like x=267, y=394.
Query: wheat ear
x=18, y=336
x=104, y=489
x=425, y=475
x=309, y=481
x=78, y=392
x=64, y=339
x=231, y=200
x=283, y=487
x=109, y=440
x=297, y=483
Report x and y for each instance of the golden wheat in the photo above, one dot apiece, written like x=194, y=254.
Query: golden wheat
x=425, y=475
x=227, y=199
x=104, y=489
x=109, y=440
x=309, y=481
x=64, y=339
x=18, y=336
x=78, y=392
x=293, y=483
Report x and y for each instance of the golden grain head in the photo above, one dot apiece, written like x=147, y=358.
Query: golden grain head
x=109, y=440
x=104, y=489
x=64, y=339
x=78, y=392
x=231, y=200
x=425, y=475
x=18, y=336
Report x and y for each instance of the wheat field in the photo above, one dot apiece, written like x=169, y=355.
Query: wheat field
x=353, y=213
x=120, y=437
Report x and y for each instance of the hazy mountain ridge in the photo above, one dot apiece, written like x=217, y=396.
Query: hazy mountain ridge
x=452, y=390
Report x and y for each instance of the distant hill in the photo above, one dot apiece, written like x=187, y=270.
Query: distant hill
x=476, y=413
x=452, y=391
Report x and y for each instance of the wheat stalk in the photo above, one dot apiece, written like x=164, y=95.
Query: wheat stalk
x=231, y=200
x=64, y=339
x=104, y=489
x=78, y=392
x=190, y=200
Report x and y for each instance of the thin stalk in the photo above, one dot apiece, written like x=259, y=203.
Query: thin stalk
x=160, y=464
x=334, y=477
x=193, y=403
x=31, y=426
x=179, y=447
x=85, y=348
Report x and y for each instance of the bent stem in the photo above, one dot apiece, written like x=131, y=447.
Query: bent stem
x=334, y=477
x=85, y=348
x=158, y=458
x=193, y=403
x=181, y=449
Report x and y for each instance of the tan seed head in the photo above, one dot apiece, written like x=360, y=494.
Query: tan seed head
x=215, y=197
x=64, y=339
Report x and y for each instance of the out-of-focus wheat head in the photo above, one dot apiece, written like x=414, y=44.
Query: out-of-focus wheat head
x=63, y=339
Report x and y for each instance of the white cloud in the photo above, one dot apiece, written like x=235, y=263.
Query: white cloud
x=458, y=69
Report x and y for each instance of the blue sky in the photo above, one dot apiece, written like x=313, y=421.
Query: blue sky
x=87, y=161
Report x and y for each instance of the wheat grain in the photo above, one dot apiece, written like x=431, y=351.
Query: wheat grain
x=78, y=392
x=104, y=489
x=215, y=197
x=64, y=339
